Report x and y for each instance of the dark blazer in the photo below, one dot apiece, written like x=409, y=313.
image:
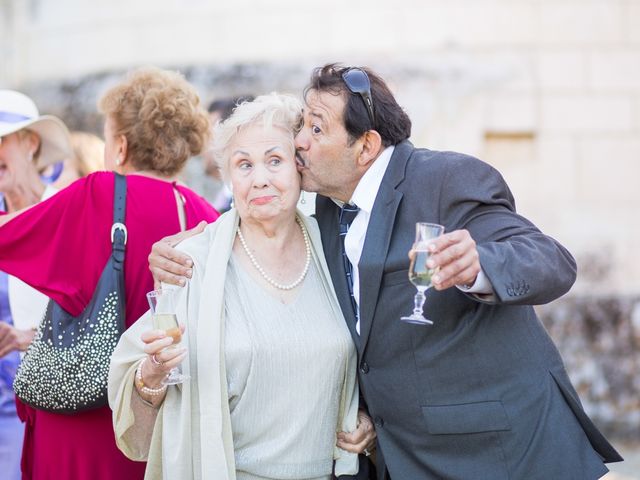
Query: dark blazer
x=483, y=393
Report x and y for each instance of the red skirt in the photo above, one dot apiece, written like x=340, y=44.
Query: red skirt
x=79, y=447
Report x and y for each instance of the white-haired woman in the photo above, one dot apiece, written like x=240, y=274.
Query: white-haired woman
x=271, y=361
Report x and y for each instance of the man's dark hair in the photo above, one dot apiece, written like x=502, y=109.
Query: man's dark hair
x=390, y=120
x=226, y=106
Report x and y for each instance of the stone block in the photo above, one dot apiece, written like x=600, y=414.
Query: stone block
x=606, y=113
x=563, y=69
x=459, y=22
x=54, y=55
x=455, y=125
x=615, y=69
x=511, y=113
x=514, y=159
x=541, y=175
x=607, y=171
x=632, y=20
x=351, y=30
x=581, y=22
x=510, y=70
x=556, y=162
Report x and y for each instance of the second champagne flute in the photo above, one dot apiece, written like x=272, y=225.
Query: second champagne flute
x=162, y=303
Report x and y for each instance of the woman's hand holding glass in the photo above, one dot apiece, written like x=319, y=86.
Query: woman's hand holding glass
x=161, y=360
x=162, y=345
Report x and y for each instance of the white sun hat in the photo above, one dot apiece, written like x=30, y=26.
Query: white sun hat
x=17, y=111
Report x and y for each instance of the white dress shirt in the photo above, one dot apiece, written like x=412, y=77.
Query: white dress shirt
x=364, y=197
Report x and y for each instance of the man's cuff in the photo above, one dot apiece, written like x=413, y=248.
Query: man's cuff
x=481, y=286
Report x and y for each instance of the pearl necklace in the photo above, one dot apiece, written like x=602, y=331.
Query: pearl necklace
x=255, y=263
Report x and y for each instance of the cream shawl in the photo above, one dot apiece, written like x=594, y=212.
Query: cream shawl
x=190, y=437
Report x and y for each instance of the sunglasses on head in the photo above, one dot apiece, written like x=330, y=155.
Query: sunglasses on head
x=357, y=81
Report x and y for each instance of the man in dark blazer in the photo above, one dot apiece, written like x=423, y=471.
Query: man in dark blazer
x=483, y=392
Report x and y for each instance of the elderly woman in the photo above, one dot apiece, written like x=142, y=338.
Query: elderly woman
x=270, y=358
x=154, y=123
x=28, y=142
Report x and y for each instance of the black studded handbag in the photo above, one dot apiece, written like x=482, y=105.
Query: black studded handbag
x=66, y=366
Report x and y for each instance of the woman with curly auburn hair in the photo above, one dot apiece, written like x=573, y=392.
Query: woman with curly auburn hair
x=153, y=124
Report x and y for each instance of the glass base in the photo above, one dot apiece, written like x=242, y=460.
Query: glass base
x=175, y=377
x=416, y=320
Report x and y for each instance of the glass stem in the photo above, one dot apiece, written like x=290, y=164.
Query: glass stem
x=418, y=302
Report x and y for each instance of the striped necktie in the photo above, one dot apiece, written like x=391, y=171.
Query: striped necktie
x=347, y=214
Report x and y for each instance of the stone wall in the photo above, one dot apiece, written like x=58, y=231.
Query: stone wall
x=548, y=91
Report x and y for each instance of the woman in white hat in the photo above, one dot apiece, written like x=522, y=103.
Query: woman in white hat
x=28, y=143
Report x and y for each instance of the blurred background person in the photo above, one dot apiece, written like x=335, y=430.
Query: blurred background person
x=153, y=124
x=27, y=304
x=87, y=157
x=28, y=142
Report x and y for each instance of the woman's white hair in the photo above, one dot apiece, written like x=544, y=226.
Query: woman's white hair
x=272, y=110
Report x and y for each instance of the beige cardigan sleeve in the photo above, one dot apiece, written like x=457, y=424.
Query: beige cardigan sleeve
x=133, y=426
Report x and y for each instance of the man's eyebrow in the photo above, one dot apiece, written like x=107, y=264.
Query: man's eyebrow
x=318, y=115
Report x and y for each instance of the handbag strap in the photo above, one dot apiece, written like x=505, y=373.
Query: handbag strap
x=118, y=229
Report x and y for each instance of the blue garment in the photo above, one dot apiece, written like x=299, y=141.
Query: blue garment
x=8, y=363
x=11, y=438
x=11, y=429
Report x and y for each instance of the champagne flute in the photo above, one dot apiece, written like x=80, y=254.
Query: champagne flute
x=162, y=303
x=419, y=274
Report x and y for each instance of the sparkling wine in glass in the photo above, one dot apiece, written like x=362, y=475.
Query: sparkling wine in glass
x=419, y=274
x=162, y=303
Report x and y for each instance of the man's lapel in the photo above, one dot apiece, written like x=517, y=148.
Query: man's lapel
x=378, y=237
x=327, y=213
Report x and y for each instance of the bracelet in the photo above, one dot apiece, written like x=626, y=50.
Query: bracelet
x=142, y=388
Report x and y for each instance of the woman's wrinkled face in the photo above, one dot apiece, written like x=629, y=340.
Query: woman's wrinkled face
x=263, y=174
x=16, y=159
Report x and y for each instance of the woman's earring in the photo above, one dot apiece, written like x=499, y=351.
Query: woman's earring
x=302, y=200
x=118, y=161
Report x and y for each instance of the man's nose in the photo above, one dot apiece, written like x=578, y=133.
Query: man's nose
x=300, y=140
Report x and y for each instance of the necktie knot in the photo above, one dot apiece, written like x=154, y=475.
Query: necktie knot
x=347, y=213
